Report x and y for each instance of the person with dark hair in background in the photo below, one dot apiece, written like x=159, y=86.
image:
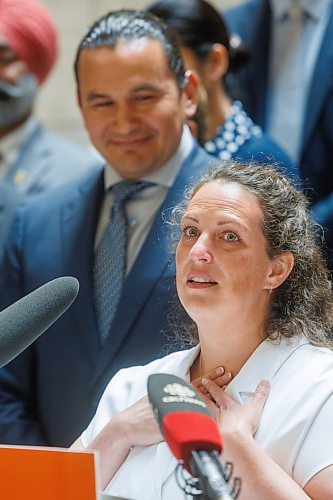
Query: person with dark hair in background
x=287, y=88
x=228, y=132
x=31, y=159
x=255, y=290
x=106, y=229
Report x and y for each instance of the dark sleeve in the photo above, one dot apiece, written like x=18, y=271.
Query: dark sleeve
x=18, y=407
x=262, y=150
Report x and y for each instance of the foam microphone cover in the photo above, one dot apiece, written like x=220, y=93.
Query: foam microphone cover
x=169, y=393
x=184, y=419
x=25, y=320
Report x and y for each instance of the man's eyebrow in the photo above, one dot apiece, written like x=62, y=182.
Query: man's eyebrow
x=144, y=87
x=93, y=96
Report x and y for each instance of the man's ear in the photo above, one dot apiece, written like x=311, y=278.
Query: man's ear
x=191, y=93
x=281, y=268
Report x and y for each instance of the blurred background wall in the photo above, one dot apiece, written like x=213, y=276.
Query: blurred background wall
x=56, y=104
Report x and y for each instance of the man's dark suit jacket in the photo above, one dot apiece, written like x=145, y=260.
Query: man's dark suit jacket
x=252, y=21
x=49, y=393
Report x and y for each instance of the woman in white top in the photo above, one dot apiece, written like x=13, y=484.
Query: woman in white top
x=251, y=277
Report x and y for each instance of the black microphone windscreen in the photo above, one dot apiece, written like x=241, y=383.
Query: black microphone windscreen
x=169, y=394
x=184, y=419
x=25, y=320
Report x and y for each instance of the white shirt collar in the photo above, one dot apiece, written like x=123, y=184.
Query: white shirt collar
x=165, y=175
x=264, y=363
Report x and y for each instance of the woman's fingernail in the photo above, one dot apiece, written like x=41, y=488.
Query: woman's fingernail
x=204, y=381
x=220, y=370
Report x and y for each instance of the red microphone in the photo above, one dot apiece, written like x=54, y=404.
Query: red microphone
x=185, y=431
x=191, y=434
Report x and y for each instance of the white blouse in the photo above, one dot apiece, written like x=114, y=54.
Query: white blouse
x=295, y=429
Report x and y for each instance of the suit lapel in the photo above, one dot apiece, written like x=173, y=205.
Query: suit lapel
x=31, y=163
x=321, y=83
x=258, y=80
x=152, y=260
x=79, y=222
x=9, y=200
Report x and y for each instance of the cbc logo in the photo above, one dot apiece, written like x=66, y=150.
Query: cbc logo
x=179, y=390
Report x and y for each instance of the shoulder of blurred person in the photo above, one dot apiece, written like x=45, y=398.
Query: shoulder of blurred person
x=265, y=151
x=48, y=160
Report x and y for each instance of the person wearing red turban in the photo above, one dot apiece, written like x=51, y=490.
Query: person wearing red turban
x=31, y=159
x=31, y=34
x=28, y=51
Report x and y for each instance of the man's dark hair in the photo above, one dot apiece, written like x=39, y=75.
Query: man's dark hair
x=129, y=25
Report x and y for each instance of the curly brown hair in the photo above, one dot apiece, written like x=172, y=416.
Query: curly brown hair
x=303, y=304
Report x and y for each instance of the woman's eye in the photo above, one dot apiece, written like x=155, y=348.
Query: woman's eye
x=190, y=232
x=230, y=237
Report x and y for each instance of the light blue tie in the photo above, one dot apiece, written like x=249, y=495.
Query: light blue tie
x=111, y=256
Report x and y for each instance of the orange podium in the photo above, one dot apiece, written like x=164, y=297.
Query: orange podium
x=34, y=473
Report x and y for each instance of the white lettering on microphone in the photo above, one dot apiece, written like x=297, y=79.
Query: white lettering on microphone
x=183, y=399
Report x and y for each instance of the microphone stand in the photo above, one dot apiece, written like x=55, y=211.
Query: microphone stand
x=213, y=479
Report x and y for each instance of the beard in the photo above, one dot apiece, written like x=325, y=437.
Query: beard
x=16, y=101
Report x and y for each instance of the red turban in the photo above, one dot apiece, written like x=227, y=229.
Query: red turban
x=31, y=33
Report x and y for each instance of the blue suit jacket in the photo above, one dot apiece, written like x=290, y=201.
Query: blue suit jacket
x=252, y=22
x=9, y=199
x=49, y=393
x=45, y=161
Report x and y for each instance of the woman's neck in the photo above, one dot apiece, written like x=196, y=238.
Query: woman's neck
x=218, y=110
x=227, y=347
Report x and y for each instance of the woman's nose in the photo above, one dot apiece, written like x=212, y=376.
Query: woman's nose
x=200, y=251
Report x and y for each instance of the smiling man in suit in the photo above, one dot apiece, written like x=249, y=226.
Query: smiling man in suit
x=31, y=159
x=135, y=99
